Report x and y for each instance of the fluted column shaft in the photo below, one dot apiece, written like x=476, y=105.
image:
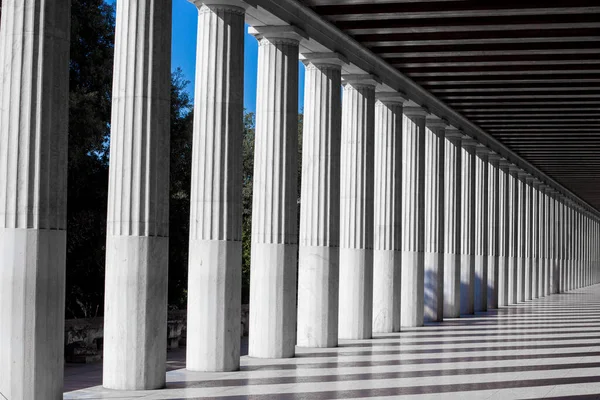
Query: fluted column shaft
x=467, y=232
x=481, y=228
x=535, y=265
x=542, y=238
x=433, y=295
x=493, y=218
x=215, y=256
x=34, y=98
x=561, y=236
x=272, y=332
x=137, y=243
x=356, y=209
x=452, y=222
x=318, y=253
x=504, y=221
x=413, y=217
x=527, y=241
x=553, y=243
x=387, y=213
x=515, y=192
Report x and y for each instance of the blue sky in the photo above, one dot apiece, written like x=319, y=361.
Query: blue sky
x=185, y=25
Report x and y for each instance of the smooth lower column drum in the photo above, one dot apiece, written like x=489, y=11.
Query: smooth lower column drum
x=137, y=245
x=34, y=100
x=482, y=220
x=215, y=252
x=356, y=207
x=272, y=329
x=387, y=212
x=413, y=216
x=493, y=229
x=318, y=254
x=452, y=221
x=433, y=291
x=504, y=220
x=467, y=233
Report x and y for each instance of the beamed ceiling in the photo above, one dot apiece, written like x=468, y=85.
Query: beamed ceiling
x=527, y=72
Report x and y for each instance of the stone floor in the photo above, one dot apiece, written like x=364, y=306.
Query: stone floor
x=546, y=348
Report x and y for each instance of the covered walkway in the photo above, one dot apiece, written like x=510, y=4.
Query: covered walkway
x=545, y=348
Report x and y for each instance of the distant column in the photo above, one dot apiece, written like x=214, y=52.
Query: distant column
x=482, y=222
x=34, y=112
x=356, y=215
x=467, y=253
x=215, y=253
x=542, y=238
x=452, y=221
x=535, y=226
x=413, y=216
x=504, y=220
x=493, y=229
x=137, y=244
x=272, y=330
x=435, y=144
x=387, y=212
x=318, y=254
x=528, y=242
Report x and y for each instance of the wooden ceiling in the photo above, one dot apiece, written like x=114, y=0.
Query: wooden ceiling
x=527, y=72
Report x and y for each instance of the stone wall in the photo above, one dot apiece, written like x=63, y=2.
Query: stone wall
x=84, y=338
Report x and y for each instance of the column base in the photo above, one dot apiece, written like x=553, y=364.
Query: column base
x=492, y=282
x=356, y=294
x=318, y=296
x=135, y=316
x=502, y=281
x=451, y=285
x=272, y=331
x=214, y=305
x=32, y=311
x=386, y=291
x=467, y=284
x=411, y=303
x=433, y=294
x=481, y=285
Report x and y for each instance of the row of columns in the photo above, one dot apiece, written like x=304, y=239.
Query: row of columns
x=403, y=218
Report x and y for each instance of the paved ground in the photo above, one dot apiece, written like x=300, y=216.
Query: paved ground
x=546, y=348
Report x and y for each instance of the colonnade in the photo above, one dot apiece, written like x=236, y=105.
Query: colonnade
x=403, y=217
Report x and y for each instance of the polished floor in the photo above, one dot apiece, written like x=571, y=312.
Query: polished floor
x=545, y=348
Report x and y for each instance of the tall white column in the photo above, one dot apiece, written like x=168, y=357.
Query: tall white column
x=387, y=212
x=553, y=242
x=318, y=253
x=528, y=240
x=435, y=143
x=137, y=244
x=513, y=232
x=272, y=329
x=356, y=215
x=34, y=98
x=413, y=216
x=467, y=232
x=482, y=221
x=542, y=238
x=452, y=222
x=504, y=220
x=215, y=257
x=535, y=225
x=561, y=244
x=493, y=214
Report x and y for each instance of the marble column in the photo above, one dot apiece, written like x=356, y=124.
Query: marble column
x=493, y=214
x=34, y=99
x=452, y=222
x=559, y=226
x=387, y=212
x=318, y=253
x=542, y=238
x=356, y=202
x=215, y=252
x=467, y=232
x=535, y=265
x=137, y=244
x=553, y=242
x=504, y=221
x=435, y=143
x=515, y=190
x=523, y=233
x=413, y=216
x=272, y=329
x=482, y=221
x=528, y=240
